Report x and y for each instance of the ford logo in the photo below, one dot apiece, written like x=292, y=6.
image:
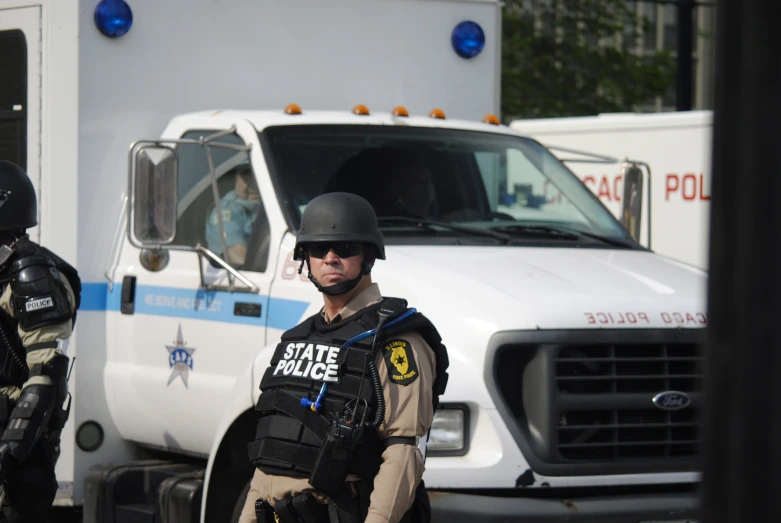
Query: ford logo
x=672, y=400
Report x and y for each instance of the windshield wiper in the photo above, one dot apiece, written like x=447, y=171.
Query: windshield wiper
x=564, y=233
x=507, y=233
x=432, y=224
x=618, y=242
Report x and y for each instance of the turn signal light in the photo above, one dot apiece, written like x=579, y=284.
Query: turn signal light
x=292, y=109
x=491, y=119
x=361, y=110
x=400, y=111
x=437, y=113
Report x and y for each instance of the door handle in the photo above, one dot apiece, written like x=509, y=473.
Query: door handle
x=128, y=303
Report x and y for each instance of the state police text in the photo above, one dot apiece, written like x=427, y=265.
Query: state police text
x=310, y=360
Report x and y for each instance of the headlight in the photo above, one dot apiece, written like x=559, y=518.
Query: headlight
x=449, y=434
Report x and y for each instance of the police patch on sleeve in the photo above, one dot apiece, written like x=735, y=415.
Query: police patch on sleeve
x=402, y=369
x=36, y=304
x=227, y=216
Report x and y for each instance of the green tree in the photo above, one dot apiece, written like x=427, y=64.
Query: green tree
x=575, y=57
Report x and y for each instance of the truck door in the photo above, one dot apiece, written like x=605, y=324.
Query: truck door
x=20, y=95
x=181, y=346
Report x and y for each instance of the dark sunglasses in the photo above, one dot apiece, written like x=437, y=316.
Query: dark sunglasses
x=341, y=249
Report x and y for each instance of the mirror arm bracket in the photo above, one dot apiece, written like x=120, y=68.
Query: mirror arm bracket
x=206, y=253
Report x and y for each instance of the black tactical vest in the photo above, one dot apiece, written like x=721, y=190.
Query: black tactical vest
x=289, y=435
x=13, y=356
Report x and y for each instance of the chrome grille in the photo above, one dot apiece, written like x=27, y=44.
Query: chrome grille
x=582, y=402
x=626, y=369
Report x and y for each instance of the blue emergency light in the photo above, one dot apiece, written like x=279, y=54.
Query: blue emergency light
x=468, y=39
x=113, y=17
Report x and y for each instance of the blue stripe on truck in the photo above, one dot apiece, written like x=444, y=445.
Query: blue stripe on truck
x=197, y=304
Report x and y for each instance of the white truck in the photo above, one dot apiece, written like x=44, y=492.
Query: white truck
x=677, y=148
x=574, y=352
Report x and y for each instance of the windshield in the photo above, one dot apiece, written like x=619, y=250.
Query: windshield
x=471, y=179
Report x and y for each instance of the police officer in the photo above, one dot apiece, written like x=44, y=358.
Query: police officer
x=239, y=208
x=40, y=295
x=350, y=391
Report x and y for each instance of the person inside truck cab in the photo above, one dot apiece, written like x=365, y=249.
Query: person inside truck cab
x=410, y=192
x=350, y=391
x=397, y=181
x=40, y=294
x=239, y=207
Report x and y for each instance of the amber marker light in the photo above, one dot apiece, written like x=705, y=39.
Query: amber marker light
x=491, y=119
x=437, y=113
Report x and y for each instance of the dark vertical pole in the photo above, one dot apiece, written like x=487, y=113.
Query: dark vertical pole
x=683, y=93
x=742, y=421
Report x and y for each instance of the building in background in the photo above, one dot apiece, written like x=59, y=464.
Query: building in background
x=643, y=28
x=663, y=18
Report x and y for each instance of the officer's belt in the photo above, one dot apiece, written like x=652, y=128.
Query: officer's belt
x=305, y=508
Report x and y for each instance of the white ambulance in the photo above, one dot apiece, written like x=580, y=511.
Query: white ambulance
x=574, y=352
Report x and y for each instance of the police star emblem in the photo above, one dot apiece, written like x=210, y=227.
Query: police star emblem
x=180, y=359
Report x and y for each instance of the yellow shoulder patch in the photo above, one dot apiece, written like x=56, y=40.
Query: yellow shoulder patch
x=402, y=369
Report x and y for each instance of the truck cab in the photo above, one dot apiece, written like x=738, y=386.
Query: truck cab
x=574, y=351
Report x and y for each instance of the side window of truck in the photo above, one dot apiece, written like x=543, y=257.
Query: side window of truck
x=245, y=242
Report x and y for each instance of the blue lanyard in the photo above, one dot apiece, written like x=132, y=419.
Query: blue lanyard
x=315, y=405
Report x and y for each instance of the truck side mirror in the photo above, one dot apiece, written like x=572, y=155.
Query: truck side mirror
x=154, y=182
x=632, y=200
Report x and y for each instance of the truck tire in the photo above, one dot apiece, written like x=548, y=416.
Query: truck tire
x=240, y=503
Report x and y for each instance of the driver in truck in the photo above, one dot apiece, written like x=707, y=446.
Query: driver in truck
x=239, y=208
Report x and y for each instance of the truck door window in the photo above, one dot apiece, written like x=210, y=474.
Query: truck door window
x=244, y=218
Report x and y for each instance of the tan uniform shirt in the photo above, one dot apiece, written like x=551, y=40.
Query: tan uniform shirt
x=59, y=331
x=409, y=413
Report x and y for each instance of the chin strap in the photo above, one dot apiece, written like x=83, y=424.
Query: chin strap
x=337, y=288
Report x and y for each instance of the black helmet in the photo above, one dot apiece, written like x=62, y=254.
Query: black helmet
x=339, y=217
x=18, y=206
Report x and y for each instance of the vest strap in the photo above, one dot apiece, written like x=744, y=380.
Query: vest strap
x=293, y=454
x=288, y=404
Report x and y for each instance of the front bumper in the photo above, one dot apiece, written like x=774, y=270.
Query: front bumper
x=450, y=507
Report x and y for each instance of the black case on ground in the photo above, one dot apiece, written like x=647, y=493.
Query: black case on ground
x=179, y=499
x=132, y=492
